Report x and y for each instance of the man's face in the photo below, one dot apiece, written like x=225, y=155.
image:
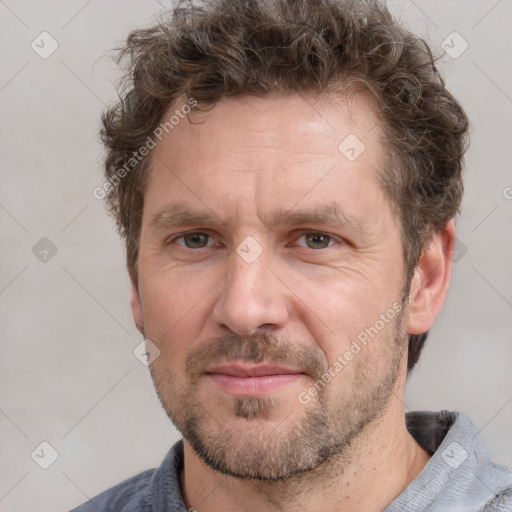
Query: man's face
x=268, y=253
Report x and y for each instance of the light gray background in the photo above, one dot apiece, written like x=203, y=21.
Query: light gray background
x=68, y=374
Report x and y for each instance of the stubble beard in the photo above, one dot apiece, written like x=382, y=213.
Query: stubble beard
x=252, y=445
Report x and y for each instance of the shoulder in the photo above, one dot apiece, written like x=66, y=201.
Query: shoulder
x=132, y=494
x=152, y=490
x=502, y=500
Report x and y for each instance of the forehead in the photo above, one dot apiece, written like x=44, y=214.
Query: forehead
x=259, y=151
x=298, y=123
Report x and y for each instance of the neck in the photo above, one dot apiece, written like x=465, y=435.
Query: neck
x=379, y=465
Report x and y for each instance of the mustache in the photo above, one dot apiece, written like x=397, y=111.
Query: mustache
x=256, y=349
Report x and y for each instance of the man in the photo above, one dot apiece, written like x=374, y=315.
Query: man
x=285, y=174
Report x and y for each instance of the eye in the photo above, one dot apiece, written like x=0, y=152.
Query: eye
x=198, y=240
x=314, y=240
x=193, y=240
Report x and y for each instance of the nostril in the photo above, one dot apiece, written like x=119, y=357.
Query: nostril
x=265, y=328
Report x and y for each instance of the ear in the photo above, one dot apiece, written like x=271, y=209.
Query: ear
x=430, y=281
x=136, y=308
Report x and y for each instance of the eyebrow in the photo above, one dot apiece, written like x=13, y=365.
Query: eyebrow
x=178, y=215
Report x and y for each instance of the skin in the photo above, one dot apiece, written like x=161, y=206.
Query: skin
x=242, y=162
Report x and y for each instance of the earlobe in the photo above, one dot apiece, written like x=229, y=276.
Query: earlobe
x=137, y=309
x=429, y=284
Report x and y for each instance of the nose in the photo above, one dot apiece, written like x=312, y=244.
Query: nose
x=253, y=299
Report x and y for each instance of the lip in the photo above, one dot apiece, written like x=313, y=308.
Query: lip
x=246, y=370
x=252, y=380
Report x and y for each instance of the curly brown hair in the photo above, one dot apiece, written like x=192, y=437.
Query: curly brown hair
x=220, y=48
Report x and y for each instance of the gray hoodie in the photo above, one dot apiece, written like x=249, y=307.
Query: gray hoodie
x=459, y=477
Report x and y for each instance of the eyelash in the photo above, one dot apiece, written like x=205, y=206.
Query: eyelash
x=302, y=233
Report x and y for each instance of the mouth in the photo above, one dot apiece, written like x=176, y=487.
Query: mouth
x=252, y=380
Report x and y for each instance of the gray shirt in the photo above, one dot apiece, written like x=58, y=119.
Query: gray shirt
x=459, y=477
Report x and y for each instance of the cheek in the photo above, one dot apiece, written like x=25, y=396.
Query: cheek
x=175, y=307
x=338, y=312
